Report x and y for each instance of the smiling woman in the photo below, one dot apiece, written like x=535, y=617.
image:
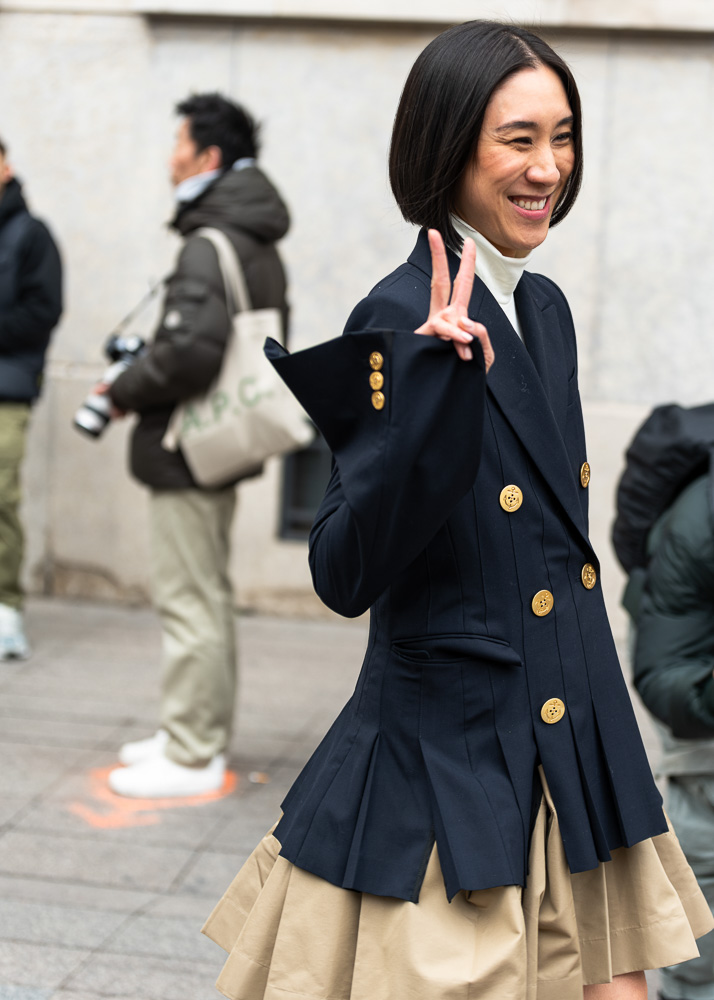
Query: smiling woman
x=481, y=820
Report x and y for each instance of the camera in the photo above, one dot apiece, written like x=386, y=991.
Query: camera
x=94, y=414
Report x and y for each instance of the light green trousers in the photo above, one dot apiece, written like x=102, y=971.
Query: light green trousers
x=13, y=432
x=190, y=541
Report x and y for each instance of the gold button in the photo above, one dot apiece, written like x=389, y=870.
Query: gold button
x=552, y=711
x=588, y=575
x=376, y=380
x=376, y=360
x=542, y=603
x=378, y=400
x=511, y=498
x=585, y=475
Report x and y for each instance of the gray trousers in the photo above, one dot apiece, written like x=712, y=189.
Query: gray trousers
x=690, y=804
x=190, y=547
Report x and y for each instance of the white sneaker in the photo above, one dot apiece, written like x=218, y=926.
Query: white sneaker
x=13, y=642
x=161, y=778
x=138, y=750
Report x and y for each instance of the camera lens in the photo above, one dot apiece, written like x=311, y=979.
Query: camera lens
x=92, y=419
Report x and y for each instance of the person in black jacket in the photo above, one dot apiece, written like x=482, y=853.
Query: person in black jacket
x=218, y=184
x=30, y=308
x=673, y=610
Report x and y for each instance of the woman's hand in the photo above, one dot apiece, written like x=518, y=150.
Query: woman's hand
x=448, y=309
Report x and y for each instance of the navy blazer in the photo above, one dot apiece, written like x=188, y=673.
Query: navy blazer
x=443, y=735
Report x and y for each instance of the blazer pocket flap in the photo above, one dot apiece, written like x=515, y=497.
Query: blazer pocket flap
x=457, y=646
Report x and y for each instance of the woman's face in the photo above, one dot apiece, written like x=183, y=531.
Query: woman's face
x=523, y=159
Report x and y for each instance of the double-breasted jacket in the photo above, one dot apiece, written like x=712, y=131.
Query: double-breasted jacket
x=457, y=512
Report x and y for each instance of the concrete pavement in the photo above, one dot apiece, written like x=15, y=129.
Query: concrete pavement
x=104, y=897
x=100, y=896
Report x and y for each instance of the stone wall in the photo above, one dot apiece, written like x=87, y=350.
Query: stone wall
x=88, y=91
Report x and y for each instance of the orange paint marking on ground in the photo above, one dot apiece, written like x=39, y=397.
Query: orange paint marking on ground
x=107, y=811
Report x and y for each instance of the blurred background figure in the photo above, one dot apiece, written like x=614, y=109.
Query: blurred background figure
x=30, y=308
x=670, y=596
x=217, y=184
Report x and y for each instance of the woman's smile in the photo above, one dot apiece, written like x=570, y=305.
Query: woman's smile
x=532, y=208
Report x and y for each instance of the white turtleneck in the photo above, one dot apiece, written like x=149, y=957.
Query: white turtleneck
x=499, y=274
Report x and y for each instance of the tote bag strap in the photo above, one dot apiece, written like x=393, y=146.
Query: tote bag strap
x=237, y=295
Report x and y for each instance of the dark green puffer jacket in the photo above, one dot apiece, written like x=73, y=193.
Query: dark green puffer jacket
x=674, y=654
x=186, y=353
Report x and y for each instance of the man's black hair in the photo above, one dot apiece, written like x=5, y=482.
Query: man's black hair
x=215, y=121
x=441, y=112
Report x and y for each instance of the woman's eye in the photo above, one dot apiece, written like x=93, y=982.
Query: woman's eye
x=564, y=137
x=523, y=140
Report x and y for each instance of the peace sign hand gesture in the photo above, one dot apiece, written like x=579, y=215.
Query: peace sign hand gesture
x=448, y=309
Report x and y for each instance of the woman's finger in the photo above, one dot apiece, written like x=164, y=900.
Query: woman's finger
x=464, y=281
x=438, y=326
x=481, y=334
x=440, y=278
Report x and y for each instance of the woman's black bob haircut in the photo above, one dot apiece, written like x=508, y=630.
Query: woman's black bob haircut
x=441, y=112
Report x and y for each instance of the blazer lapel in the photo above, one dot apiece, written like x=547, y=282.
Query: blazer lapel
x=541, y=333
x=516, y=385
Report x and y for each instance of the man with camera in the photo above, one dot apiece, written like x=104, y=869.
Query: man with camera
x=30, y=308
x=217, y=185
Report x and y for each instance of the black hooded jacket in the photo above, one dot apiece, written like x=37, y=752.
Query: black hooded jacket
x=30, y=296
x=186, y=353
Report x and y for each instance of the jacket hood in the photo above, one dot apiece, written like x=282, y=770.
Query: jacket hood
x=240, y=199
x=11, y=201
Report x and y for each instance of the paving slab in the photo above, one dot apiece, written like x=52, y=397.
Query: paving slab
x=211, y=874
x=23, y=993
x=165, y=937
x=72, y=927
x=58, y=893
x=55, y=732
x=29, y=770
x=38, y=965
x=74, y=707
x=10, y=806
x=146, y=977
x=242, y=832
x=80, y=859
x=72, y=810
x=197, y=908
x=72, y=995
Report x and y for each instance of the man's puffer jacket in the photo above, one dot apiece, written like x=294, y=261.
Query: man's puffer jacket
x=187, y=350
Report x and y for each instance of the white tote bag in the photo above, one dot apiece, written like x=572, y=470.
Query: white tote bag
x=248, y=414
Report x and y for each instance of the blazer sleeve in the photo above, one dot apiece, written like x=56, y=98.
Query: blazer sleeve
x=398, y=471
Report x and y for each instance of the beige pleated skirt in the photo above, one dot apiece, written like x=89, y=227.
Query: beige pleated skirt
x=292, y=936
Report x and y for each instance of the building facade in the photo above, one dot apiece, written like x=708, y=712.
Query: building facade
x=88, y=89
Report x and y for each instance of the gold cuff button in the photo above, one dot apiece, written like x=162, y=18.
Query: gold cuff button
x=552, y=711
x=378, y=400
x=376, y=360
x=376, y=380
x=511, y=498
x=542, y=603
x=588, y=575
x=585, y=475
